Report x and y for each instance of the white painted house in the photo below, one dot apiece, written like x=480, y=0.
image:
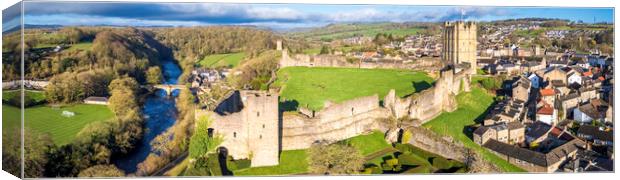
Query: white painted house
x=574, y=77
x=535, y=80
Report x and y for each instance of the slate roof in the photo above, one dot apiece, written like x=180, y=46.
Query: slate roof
x=96, y=98
x=596, y=133
x=535, y=157
x=537, y=129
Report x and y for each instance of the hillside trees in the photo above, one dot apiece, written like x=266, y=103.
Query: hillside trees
x=35, y=147
x=71, y=87
x=154, y=75
x=102, y=171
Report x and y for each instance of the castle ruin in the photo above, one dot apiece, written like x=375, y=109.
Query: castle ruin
x=254, y=127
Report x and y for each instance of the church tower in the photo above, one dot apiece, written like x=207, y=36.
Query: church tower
x=459, y=45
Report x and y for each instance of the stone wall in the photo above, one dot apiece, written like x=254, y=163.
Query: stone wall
x=334, y=122
x=340, y=61
x=445, y=146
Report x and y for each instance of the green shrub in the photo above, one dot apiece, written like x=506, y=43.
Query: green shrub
x=234, y=165
x=406, y=136
x=418, y=170
x=372, y=170
x=408, y=159
x=404, y=148
x=441, y=163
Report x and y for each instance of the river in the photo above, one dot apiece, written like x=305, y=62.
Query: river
x=160, y=113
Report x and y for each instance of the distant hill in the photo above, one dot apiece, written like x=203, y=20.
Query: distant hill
x=346, y=30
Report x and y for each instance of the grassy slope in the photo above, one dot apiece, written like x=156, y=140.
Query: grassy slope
x=471, y=105
x=295, y=161
x=313, y=86
x=219, y=60
x=291, y=162
x=368, y=144
x=81, y=46
x=49, y=120
x=340, y=31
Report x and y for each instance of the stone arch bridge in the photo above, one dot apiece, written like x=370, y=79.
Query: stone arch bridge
x=169, y=87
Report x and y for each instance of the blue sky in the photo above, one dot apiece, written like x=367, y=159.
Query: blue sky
x=277, y=16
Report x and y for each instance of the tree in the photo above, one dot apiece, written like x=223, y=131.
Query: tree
x=334, y=159
x=35, y=148
x=102, y=171
x=325, y=50
x=153, y=75
x=201, y=143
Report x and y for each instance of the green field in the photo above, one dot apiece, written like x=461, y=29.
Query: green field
x=472, y=105
x=368, y=144
x=340, y=31
x=222, y=60
x=49, y=120
x=291, y=162
x=311, y=87
x=81, y=46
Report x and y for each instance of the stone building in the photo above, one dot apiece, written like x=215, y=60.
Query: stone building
x=248, y=122
x=460, y=43
x=510, y=133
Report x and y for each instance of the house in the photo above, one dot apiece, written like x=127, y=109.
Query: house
x=569, y=103
x=96, y=100
x=510, y=133
x=594, y=110
x=521, y=89
x=555, y=74
x=548, y=95
x=534, y=161
x=583, y=64
x=547, y=114
x=534, y=80
x=574, y=78
x=596, y=135
x=536, y=132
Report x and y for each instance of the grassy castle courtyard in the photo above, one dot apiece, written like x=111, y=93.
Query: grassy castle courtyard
x=312, y=87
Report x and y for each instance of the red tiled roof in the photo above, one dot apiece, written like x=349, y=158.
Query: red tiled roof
x=547, y=92
x=589, y=73
x=555, y=131
x=546, y=109
x=601, y=78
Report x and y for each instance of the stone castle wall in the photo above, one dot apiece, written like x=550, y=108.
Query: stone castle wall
x=340, y=61
x=334, y=122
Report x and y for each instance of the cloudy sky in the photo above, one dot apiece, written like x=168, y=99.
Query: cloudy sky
x=277, y=16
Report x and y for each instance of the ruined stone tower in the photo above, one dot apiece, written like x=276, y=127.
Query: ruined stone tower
x=249, y=124
x=460, y=42
x=261, y=116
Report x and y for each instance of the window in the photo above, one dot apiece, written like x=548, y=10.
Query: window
x=234, y=134
x=257, y=114
x=260, y=137
x=263, y=126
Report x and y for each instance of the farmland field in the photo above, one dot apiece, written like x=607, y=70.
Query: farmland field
x=222, y=60
x=45, y=119
x=471, y=105
x=311, y=87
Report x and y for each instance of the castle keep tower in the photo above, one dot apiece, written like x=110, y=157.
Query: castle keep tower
x=460, y=42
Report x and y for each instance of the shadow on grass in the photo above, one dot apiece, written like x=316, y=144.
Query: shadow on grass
x=469, y=129
x=421, y=85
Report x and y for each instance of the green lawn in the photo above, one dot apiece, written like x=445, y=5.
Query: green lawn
x=222, y=60
x=471, y=106
x=311, y=87
x=291, y=162
x=81, y=46
x=49, y=120
x=368, y=144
